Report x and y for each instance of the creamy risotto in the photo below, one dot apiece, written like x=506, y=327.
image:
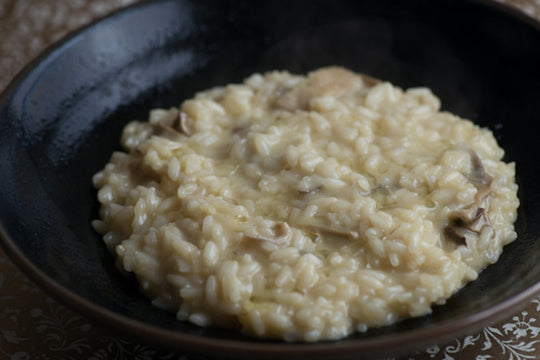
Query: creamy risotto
x=305, y=208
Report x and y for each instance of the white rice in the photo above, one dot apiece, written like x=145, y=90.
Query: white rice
x=305, y=208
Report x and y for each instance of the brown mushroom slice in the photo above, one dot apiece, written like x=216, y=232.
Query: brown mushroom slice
x=464, y=223
x=370, y=81
x=241, y=130
x=339, y=232
x=472, y=218
x=327, y=81
x=479, y=177
x=380, y=194
x=467, y=221
x=333, y=231
x=282, y=234
x=456, y=232
x=184, y=123
x=181, y=125
x=166, y=131
x=478, y=173
x=310, y=191
x=142, y=173
x=458, y=228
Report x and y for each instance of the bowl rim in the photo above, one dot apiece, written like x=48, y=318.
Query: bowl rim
x=177, y=340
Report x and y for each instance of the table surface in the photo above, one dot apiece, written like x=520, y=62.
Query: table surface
x=34, y=326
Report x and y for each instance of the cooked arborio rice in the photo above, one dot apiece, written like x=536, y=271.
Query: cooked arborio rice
x=306, y=208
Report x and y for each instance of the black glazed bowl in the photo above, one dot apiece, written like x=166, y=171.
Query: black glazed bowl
x=61, y=118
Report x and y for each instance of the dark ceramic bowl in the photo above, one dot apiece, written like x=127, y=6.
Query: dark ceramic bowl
x=61, y=118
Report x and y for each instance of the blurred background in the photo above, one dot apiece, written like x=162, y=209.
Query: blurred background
x=28, y=26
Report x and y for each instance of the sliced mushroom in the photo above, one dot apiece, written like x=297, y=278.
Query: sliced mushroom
x=472, y=218
x=328, y=81
x=482, y=181
x=479, y=214
x=143, y=173
x=335, y=232
x=166, y=131
x=454, y=231
x=309, y=185
x=313, y=190
x=181, y=125
x=478, y=174
x=281, y=234
x=465, y=223
x=184, y=123
x=458, y=228
x=241, y=130
x=381, y=194
x=480, y=178
x=370, y=81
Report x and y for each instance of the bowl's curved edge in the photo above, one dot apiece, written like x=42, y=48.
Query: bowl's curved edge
x=245, y=349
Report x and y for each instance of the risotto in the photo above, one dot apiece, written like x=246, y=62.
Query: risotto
x=305, y=208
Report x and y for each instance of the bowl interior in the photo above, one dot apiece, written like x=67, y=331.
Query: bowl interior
x=62, y=117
